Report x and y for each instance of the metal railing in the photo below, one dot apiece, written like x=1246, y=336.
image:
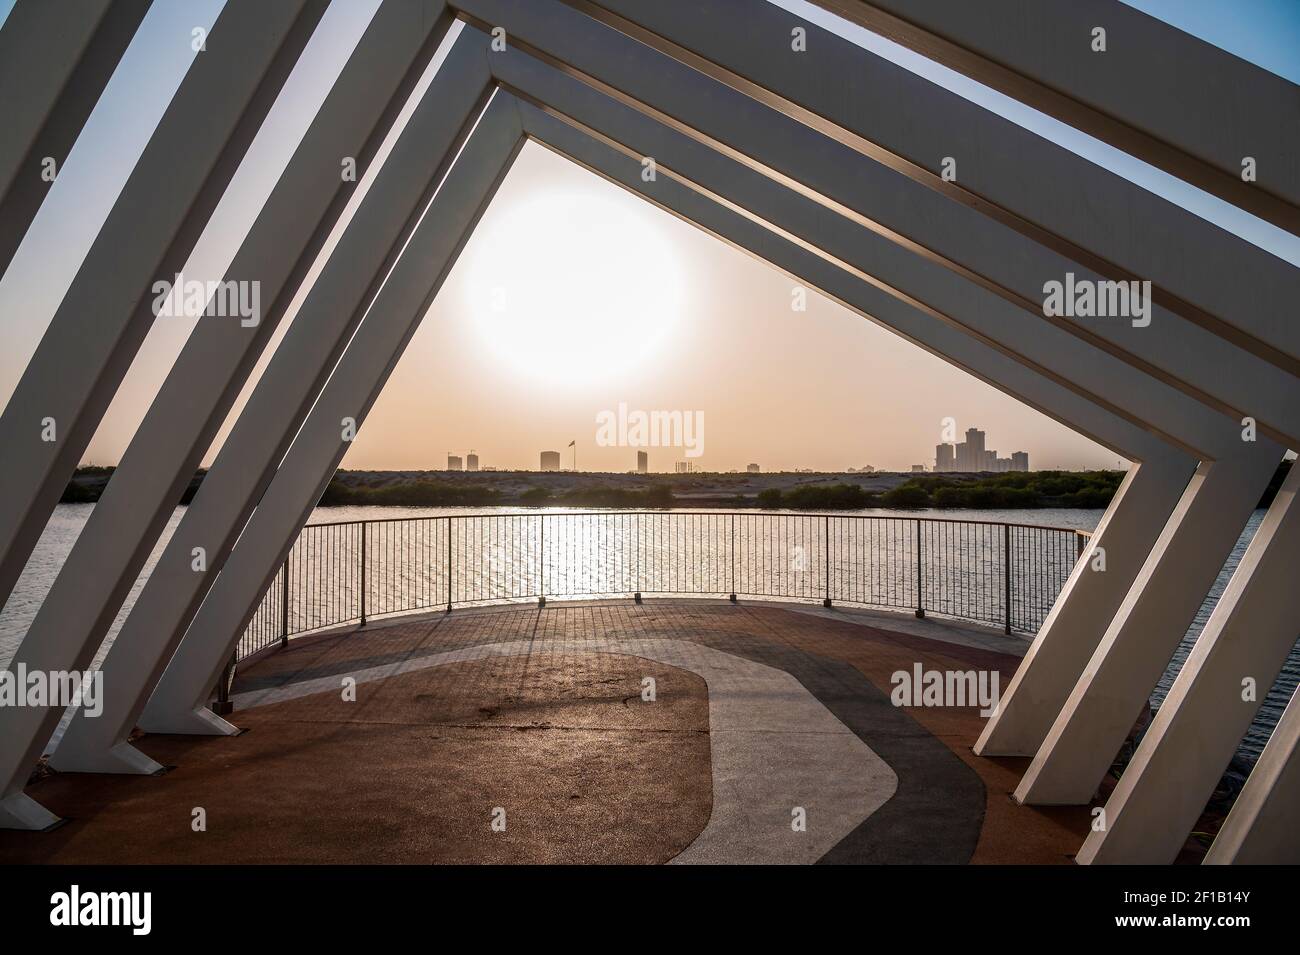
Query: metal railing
x=1006, y=575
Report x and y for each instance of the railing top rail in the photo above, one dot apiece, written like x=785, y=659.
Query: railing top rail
x=703, y=513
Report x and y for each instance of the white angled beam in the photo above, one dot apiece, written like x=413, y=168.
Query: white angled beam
x=1013, y=266
x=184, y=418
x=20, y=811
x=40, y=47
x=352, y=389
x=889, y=265
x=1116, y=552
x=811, y=247
x=1144, y=634
x=1213, y=701
x=1030, y=183
x=1160, y=94
x=148, y=234
x=53, y=68
x=291, y=381
x=1263, y=827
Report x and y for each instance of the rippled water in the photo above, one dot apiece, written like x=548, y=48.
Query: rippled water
x=68, y=519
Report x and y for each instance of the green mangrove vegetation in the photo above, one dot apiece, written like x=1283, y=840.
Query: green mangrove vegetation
x=1020, y=489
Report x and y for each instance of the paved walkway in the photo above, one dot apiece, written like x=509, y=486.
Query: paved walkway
x=770, y=737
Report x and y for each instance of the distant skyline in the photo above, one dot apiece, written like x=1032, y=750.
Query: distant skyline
x=574, y=296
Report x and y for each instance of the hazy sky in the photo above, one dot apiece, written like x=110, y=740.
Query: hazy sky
x=574, y=296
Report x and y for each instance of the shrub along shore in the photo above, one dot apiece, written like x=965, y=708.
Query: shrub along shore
x=779, y=490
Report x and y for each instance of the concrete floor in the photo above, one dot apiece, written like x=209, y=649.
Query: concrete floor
x=763, y=716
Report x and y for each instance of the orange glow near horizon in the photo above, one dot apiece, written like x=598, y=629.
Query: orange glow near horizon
x=574, y=296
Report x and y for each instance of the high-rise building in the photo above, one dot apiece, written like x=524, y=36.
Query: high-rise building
x=752, y=468
x=976, y=460
x=454, y=463
x=971, y=455
x=471, y=462
x=550, y=460
x=684, y=467
x=944, y=458
x=642, y=462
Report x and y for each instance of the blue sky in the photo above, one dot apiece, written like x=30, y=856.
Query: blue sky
x=1265, y=32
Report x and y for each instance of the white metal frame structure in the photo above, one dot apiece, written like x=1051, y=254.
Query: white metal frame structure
x=61, y=66
x=205, y=381
x=765, y=153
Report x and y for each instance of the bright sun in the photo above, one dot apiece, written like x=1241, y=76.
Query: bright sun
x=572, y=288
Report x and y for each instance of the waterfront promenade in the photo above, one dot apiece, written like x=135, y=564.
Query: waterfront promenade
x=539, y=719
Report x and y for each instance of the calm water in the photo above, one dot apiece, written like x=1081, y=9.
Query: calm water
x=68, y=519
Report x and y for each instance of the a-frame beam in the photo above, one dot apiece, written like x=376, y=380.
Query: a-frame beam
x=40, y=48
x=53, y=68
x=1213, y=701
x=1148, y=91
x=1176, y=351
x=1087, y=603
x=895, y=268
x=1263, y=827
x=367, y=249
x=148, y=235
x=1032, y=185
x=352, y=388
x=1142, y=638
x=183, y=419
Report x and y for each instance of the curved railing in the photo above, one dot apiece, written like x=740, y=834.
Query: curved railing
x=988, y=572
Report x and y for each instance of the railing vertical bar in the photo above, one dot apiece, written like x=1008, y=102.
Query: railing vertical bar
x=733, y=558
x=363, y=573
x=284, y=601
x=826, y=584
x=1006, y=575
x=920, y=574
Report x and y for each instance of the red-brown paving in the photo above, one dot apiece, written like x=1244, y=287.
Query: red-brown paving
x=417, y=769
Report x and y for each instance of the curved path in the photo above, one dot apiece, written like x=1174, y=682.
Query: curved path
x=776, y=750
x=764, y=714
